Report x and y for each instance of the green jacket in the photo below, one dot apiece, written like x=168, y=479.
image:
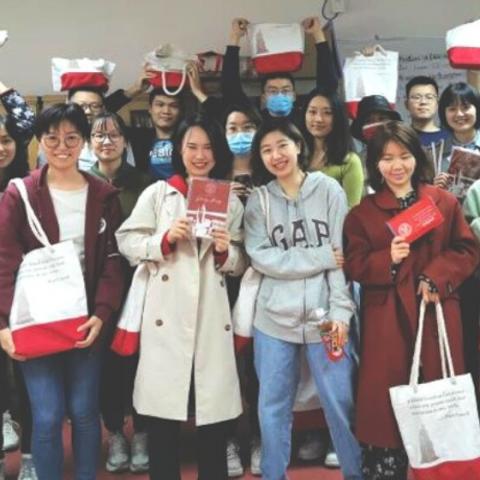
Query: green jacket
x=131, y=183
x=471, y=208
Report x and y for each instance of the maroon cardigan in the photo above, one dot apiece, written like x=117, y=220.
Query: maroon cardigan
x=389, y=314
x=104, y=273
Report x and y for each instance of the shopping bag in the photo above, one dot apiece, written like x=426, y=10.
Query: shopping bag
x=438, y=420
x=463, y=46
x=243, y=312
x=170, y=66
x=375, y=74
x=126, y=338
x=210, y=62
x=127, y=333
x=276, y=47
x=50, y=302
x=81, y=72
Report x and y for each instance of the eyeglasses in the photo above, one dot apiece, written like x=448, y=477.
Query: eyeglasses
x=70, y=141
x=429, y=97
x=93, y=107
x=276, y=91
x=101, y=137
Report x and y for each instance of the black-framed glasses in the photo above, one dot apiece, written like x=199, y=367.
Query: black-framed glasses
x=429, y=97
x=70, y=141
x=100, y=137
x=93, y=107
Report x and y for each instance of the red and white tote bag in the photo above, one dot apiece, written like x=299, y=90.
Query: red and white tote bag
x=276, y=47
x=463, y=46
x=50, y=301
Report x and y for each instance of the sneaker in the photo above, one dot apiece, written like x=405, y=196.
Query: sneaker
x=11, y=439
x=27, y=469
x=118, y=457
x=255, y=457
x=139, y=452
x=312, y=447
x=331, y=459
x=234, y=464
x=2, y=469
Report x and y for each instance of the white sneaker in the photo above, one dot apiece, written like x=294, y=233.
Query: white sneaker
x=331, y=459
x=255, y=457
x=312, y=447
x=2, y=469
x=27, y=469
x=11, y=439
x=139, y=453
x=234, y=463
x=118, y=456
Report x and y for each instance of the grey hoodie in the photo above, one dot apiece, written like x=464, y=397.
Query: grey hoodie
x=296, y=258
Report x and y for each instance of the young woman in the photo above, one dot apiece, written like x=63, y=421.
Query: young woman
x=109, y=141
x=186, y=356
x=16, y=130
x=303, y=284
x=459, y=112
x=395, y=276
x=70, y=205
x=326, y=131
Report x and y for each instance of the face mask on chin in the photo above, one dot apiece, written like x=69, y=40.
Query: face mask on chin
x=240, y=143
x=280, y=104
x=369, y=130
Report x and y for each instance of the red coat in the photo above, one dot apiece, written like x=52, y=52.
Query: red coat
x=104, y=273
x=447, y=255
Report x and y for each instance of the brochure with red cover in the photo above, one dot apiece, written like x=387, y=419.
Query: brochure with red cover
x=207, y=205
x=464, y=169
x=417, y=220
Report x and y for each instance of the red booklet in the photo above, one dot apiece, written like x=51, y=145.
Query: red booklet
x=207, y=205
x=417, y=220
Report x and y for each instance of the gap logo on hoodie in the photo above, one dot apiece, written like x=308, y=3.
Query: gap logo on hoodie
x=299, y=234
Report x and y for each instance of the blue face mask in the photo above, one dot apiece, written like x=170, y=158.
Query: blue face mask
x=280, y=104
x=240, y=143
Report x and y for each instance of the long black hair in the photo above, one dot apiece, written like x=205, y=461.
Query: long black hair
x=339, y=141
x=221, y=153
x=18, y=167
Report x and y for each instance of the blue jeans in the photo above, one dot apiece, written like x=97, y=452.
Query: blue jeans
x=278, y=369
x=60, y=385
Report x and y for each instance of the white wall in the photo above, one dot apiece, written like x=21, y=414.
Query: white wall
x=123, y=30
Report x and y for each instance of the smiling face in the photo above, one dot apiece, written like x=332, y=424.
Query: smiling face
x=461, y=117
x=319, y=117
x=197, y=153
x=108, y=143
x=280, y=154
x=164, y=112
x=8, y=148
x=397, y=165
x=62, y=146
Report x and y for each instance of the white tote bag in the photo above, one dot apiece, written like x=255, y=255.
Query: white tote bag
x=50, y=302
x=126, y=338
x=276, y=47
x=463, y=46
x=244, y=310
x=366, y=75
x=438, y=420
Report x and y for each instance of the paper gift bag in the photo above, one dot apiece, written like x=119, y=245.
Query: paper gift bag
x=463, y=46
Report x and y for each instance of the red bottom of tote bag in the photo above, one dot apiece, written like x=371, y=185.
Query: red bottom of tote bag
x=279, y=62
x=125, y=343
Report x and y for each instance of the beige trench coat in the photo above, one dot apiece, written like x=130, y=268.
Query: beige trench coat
x=186, y=320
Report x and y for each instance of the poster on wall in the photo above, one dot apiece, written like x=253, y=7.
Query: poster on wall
x=417, y=56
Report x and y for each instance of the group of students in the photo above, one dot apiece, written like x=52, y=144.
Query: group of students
x=120, y=193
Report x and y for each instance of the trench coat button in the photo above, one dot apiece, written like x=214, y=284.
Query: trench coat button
x=228, y=328
x=164, y=277
x=159, y=322
x=222, y=283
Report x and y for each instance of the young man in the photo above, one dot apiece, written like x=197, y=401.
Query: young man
x=152, y=147
x=421, y=101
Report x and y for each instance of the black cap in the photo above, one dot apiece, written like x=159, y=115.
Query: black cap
x=368, y=105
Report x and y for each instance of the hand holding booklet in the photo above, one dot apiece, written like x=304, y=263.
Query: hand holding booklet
x=417, y=220
x=207, y=205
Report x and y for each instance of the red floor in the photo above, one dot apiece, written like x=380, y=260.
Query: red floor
x=296, y=472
